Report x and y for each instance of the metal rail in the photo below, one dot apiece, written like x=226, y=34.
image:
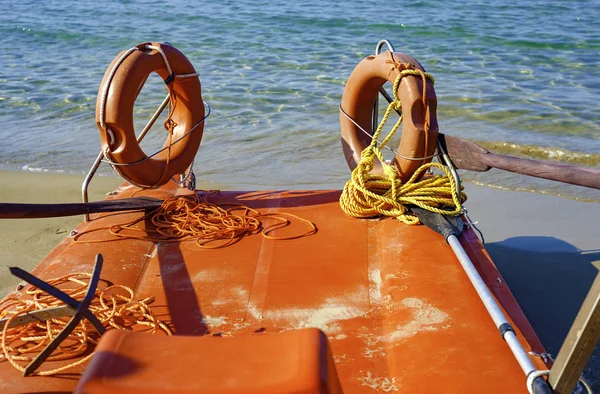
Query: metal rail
x=378, y=49
x=98, y=161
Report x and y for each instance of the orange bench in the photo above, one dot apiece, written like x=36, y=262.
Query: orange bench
x=133, y=362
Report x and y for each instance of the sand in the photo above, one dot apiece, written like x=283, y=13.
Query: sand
x=544, y=246
x=25, y=242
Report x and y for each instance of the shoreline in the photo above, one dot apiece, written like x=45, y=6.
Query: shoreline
x=546, y=247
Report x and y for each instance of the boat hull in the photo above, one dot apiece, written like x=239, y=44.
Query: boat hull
x=398, y=310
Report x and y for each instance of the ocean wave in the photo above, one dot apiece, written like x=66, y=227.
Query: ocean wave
x=555, y=154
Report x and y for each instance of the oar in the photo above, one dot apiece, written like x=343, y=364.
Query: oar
x=32, y=211
x=468, y=155
x=450, y=227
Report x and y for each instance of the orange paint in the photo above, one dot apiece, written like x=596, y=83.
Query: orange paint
x=398, y=312
x=186, y=111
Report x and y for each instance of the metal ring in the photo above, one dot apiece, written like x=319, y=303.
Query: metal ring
x=380, y=45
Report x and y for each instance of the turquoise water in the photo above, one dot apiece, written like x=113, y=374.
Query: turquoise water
x=508, y=74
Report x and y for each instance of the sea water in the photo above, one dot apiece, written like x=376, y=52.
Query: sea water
x=521, y=78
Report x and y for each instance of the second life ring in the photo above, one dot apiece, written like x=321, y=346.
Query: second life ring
x=122, y=83
x=419, y=126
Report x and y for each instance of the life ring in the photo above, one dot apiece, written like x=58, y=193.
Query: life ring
x=118, y=91
x=419, y=126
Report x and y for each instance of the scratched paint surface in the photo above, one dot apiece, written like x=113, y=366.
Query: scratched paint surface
x=392, y=300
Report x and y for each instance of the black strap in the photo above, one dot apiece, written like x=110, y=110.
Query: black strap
x=170, y=78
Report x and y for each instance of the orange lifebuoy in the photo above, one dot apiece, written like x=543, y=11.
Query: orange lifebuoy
x=419, y=128
x=118, y=91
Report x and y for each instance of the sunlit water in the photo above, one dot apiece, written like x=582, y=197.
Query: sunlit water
x=509, y=75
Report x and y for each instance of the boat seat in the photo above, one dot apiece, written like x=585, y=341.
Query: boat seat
x=134, y=362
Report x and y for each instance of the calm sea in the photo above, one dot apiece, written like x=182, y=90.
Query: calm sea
x=521, y=77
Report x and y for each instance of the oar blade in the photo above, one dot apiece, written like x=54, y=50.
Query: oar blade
x=464, y=154
x=33, y=211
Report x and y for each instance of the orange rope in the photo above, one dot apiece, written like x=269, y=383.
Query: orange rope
x=184, y=218
x=169, y=125
x=113, y=305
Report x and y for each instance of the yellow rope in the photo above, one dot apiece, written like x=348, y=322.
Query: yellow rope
x=367, y=195
x=113, y=305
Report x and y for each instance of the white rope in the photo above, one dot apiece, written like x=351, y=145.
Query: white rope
x=164, y=56
x=182, y=76
x=107, y=86
x=169, y=70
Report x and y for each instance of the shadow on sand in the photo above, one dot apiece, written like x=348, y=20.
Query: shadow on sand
x=550, y=279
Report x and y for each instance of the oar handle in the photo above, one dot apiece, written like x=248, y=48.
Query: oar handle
x=33, y=211
x=574, y=175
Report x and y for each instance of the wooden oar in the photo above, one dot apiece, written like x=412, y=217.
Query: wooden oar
x=32, y=211
x=470, y=156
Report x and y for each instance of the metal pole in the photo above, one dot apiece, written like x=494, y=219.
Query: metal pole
x=492, y=306
x=88, y=179
x=380, y=45
x=538, y=385
x=98, y=161
x=375, y=116
x=153, y=118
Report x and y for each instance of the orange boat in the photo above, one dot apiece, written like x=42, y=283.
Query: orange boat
x=357, y=305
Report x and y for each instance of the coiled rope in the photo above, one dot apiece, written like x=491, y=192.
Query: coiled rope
x=211, y=226
x=113, y=305
x=368, y=195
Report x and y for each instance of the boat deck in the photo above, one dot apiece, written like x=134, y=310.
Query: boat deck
x=399, y=312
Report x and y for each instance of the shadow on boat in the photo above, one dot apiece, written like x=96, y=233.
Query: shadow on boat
x=181, y=297
x=550, y=279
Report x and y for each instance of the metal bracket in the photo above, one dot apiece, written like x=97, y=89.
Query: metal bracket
x=98, y=161
x=450, y=166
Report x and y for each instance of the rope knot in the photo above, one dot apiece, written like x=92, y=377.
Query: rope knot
x=397, y=105
x=399, y=66
x=170, y=125
x=390, y=171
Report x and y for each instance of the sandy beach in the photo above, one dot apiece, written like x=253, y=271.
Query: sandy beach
x=546, y=247
x=25, y=242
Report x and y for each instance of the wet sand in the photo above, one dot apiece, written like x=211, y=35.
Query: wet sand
x=544, y=246
x=25, y=242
